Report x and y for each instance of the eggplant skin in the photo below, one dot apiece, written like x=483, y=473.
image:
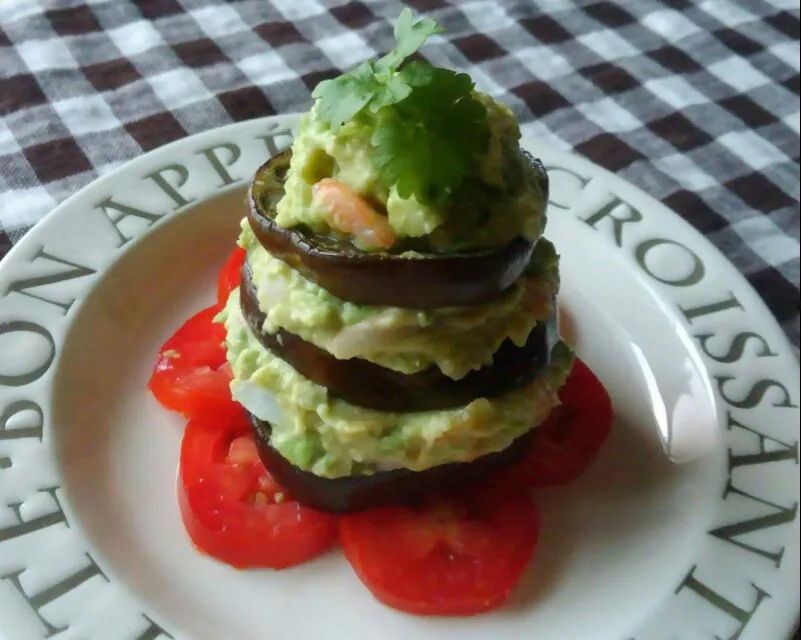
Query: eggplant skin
x=424, y=281
x=366, y=384
x=398, y=486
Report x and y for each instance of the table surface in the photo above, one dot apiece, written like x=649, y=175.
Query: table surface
x=695, y=102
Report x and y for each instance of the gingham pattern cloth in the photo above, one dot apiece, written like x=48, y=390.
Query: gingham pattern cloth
x=695, y=102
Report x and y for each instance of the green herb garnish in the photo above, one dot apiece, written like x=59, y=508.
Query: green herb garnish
x=429, y=127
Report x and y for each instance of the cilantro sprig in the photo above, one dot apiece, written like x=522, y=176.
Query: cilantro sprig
x=373, y=83
x=429, y=127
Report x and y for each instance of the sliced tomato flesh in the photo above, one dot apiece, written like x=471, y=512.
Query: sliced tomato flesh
x=234, y=510
x=459, y=554
x=567, y=443
x=230, y=275
x=191, y=374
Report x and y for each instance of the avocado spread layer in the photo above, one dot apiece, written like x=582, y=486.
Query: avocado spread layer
x=456, y=339
x=332, y=438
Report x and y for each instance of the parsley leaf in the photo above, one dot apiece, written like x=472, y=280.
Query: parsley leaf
x=373, y=83
x=340, y=99
x=429, y=127
x=409, y=37
x=428, y=142
x=395, y=90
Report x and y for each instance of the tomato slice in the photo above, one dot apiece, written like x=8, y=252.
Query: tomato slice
x=230, y=275
x=569, y=440
x=459, y=554
x=232, y=508
x=192, y=375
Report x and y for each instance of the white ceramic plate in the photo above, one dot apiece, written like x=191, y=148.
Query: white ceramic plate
x=91, y=544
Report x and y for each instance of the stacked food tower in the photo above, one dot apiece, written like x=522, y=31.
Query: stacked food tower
x=395, y=328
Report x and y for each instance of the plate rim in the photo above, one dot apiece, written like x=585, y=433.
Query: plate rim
x=292, y=118
x=732, y=273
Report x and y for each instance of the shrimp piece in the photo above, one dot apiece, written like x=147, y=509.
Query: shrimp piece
x=348, y=212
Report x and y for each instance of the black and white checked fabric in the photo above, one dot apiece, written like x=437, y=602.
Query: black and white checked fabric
x=696, y=102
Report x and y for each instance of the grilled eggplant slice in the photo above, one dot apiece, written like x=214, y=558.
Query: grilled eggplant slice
x=366, y=384
x=417, y=281
x=356, y=493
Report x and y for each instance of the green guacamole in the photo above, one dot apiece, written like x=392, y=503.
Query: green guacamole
x=455, y=339
x=498, y=201
x=332, y=438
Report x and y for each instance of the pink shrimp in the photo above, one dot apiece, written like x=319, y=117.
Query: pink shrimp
x=348, y=212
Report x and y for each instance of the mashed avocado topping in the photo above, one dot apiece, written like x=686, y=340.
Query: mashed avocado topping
x=455, y=339
x=497, y=202
x=420, y=149
x=332, y=438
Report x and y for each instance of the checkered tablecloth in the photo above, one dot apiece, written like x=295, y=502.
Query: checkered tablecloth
x=696, y=102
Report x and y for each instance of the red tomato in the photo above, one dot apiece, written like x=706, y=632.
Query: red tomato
x=232, y=508
x=570, y=439
x=456, y=555
x=191, y=374
x=230, y=275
